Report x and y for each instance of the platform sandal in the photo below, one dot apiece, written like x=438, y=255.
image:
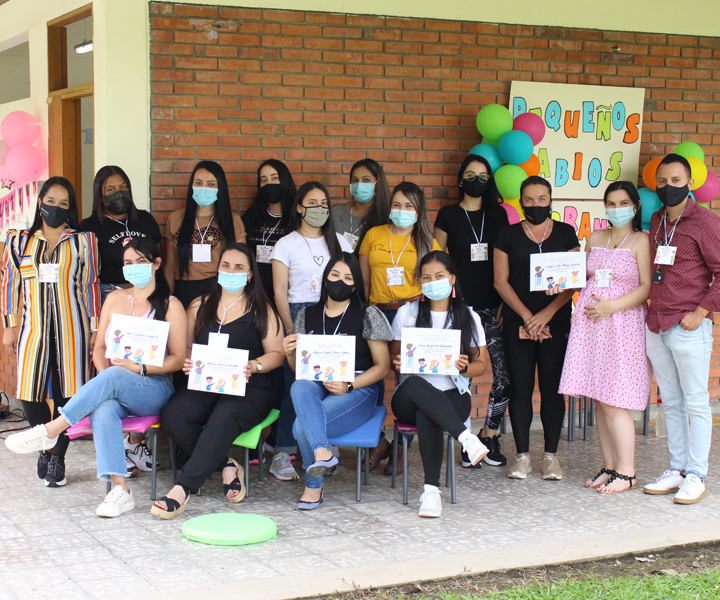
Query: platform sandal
x=602, y=472
x=630, y=479
x=173, y=508
x=237, y=484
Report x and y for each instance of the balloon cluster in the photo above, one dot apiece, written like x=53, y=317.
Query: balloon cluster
x=706, y=185
x=20, y=162
x=508, y=147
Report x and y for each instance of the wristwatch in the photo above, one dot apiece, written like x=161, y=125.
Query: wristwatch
x=350, y=387
x=258, y=366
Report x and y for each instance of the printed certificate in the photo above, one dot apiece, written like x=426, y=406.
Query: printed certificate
x=429, y=351
x=552, y=268
x=218, y=370
x=325, y=358
x=137, y=339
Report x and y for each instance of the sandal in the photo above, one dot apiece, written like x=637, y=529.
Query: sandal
x=237, y=484
x=602, y=472
x=630, y=479
x=172, y=507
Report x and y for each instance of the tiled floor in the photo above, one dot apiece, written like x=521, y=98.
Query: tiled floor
x=53, y=545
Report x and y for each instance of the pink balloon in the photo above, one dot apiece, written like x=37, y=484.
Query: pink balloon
x=19, y=128
x=709, y=190
x=531, y=124
x=25, y=164
x=513, y=216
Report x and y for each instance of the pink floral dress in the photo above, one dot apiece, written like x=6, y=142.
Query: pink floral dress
x=606, y=360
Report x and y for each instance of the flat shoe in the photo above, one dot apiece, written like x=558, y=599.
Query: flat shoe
x=322, y=467
x=310, y=505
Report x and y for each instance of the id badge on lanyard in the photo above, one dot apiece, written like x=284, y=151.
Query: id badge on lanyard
x=603, y=278
x=395, y=276
x=665, y=255
x=263, y=253
x=478, y=252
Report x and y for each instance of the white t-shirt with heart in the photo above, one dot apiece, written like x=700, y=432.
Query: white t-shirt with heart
x=305, y=258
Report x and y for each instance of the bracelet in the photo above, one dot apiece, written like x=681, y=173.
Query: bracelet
x=143, y=370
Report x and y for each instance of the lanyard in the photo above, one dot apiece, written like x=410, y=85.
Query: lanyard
x=353, y=231
x=202, y=235
x=392, y=257
x=543, y=235
x=127, y=220
x=312, y=256
x=672, y=231
x=607, y=247
x=225, y=310
x=340, y=321
x=482, y=227
x=269, y=235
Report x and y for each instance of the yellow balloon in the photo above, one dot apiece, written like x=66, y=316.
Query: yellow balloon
x=699, y=171
x=515, y=203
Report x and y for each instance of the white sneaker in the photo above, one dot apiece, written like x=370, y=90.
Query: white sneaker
x=668, y=483
x=31, y=440
x=282, y=468
x=117, y=502
x=132, y=469
x=475, y=449
x=691, y=491
x=520, y=467
x=430, y=502
x=139, y=454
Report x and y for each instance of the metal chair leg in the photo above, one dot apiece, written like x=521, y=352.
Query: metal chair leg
x=393, y=484
x=261, y=461
x=447, y=470
x=405, y=470
x=367, y=466
x=247, y=472
x=451, y=469
x=153, y=482
x=571, y=418
x=591, y=421
x=646, y=419
x=586, y=403
x=503, y=424
x=357, y=474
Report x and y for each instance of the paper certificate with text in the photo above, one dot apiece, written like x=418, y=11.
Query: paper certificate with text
x=218, y=370
x=325, y=358
x=429, y=351
x=549, y=269
x=137, y=339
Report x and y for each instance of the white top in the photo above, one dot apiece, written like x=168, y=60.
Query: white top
x=440, y=382
x=305, y=258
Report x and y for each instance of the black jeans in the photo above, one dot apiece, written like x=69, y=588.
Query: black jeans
x=205, y=425
x=417, y=402
x=522, y=356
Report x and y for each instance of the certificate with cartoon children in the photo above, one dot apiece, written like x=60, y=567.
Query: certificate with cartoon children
x=429, y=351
x=548, y=269
x=140, y=340
x=325, y=358
x=218, y=370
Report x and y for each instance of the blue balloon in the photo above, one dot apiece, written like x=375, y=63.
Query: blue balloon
x=515, y=147
x=489, y=153
x=650, y=205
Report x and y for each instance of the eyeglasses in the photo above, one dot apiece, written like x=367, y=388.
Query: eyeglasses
x=472, y=177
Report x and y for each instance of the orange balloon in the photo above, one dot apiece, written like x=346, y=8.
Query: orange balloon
x=648, y=174
x=532, y=166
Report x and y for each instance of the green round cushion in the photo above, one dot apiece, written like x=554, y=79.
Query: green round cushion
x=229, y=529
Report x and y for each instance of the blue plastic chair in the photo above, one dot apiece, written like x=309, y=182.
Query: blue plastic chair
x=364, y=438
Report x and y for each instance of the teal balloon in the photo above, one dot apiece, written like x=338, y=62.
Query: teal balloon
x=493, y=121
x=688, y=149
x=489, y=153
x=509, y=178
x=650, y=205
x=516, y=147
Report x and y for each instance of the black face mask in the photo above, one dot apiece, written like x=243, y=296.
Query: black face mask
x=474, y=188
x=272, y=193
x=339, y=290
x=536, y=214
x=54, y=216
x=671, y=195
x=118, y=203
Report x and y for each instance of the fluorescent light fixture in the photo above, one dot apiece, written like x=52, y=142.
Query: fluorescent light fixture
x=84, y=47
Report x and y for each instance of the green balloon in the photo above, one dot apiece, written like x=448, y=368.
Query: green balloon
x=688, y=149
x=509, y=178
x=494, y=121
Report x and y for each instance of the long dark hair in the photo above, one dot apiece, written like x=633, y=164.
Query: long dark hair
x=458, y=312
x=422, y=233
x=353, y=264
x=379, y=213
x=328, y=230
x=490, y=203
x=160, y=298
x=99, y=183
x=258, y=211
x=72, y=201
x=257, y=301
x=223, y=214
x=629, y=188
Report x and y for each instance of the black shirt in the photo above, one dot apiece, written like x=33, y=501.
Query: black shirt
x=475, y=277
x=112, y=236
x=264, y=231
x=514, y=241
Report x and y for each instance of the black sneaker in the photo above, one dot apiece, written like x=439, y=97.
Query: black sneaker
x=495, y=456
x=466, y=464
x=42, y=464
x=56, y=472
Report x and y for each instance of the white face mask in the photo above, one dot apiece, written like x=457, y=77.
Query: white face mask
x=621, y=216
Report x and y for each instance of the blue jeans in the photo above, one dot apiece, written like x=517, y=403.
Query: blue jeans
x=681, y=361
x=114, y=394
x=321, y=414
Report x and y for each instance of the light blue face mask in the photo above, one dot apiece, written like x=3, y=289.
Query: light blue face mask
x=205, y=196
x=437, y=290
x=403, y=218
x=138, y=275
x=620, y=217
x=232, y=283
x=362, y=191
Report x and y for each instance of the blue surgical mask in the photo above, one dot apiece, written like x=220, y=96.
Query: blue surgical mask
x=139, y=275
x=403, y=218
x=205, y=196
x=437, y=290
x=620, y=217
x=362, y=191
x=232, y=283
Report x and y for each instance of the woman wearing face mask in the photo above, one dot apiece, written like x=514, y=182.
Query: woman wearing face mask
x=195, y=235
x=609, y=321
x=204, y=425
x=50, y=307
x=268, y=217
x=115, y=221
x=122, y=387
x=370, y=204
x=468, y=231
x=536, y=325
x=298, y=261
x=438, y=403
x=330, y=408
